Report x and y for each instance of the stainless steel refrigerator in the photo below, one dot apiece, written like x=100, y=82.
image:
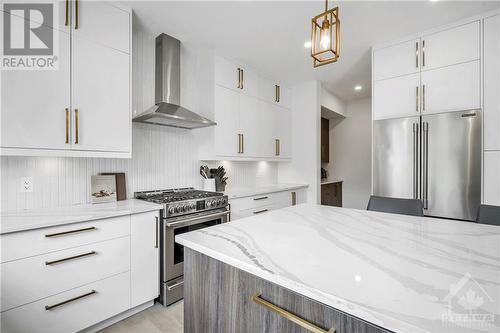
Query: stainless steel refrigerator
x=435, y=158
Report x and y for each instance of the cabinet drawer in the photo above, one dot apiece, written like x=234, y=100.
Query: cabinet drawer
x=39, y=241
x=239, y=214
x=33, y=278
x=260, y=200
x=105, y=298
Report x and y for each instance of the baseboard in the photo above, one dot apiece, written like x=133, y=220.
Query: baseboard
x=118, y=317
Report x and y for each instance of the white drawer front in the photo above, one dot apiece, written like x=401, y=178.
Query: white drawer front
x=235, y=215
x=112, y=296
x=39, y=241
x=33, y=278
x=259, y=200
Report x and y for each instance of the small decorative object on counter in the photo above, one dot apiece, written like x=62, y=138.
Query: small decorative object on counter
x=121, y=188
x=103, y=189
x=209, y=185
x=217, y=174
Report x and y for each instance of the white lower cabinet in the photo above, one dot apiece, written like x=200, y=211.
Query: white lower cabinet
x=263, y=203
x=492, y=178
x=67, y=278
x=72, y=310
x=145, y=257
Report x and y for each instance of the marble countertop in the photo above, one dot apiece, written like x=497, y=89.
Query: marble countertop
x=47, y=217
x=402, y=273
x=331, y=181
x=242, y=192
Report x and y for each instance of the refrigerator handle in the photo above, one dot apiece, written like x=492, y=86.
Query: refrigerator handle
x=415, y=129
x=425, y=165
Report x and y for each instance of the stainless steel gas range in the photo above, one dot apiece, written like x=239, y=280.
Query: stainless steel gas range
x=184, y=210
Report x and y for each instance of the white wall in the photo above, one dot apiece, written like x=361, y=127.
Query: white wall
x=332, y=102
x=350, y=153
x=305, y=164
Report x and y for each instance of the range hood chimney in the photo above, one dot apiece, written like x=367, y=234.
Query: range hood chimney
x=167, y=110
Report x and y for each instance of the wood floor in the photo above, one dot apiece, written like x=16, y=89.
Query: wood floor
x=156, y=319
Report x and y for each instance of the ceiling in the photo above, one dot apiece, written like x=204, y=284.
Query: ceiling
x=270, y=35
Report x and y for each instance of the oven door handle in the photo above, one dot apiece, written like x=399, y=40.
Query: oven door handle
x=202, y=217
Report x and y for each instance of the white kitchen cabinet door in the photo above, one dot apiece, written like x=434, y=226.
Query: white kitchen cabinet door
x=227, y=106
x=101, y=97
x=102, y=23
x=492, y=83
x=396, y=60
x=145, y=260
x=34, y=102
x=227, y=74
x=451, y=46
x=397, y=97
x=251, y=83
x=283, y=128
x=492, y=178
x=254, y=126
x=451, y=88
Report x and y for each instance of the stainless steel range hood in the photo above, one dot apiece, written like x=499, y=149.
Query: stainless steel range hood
x=167, y=110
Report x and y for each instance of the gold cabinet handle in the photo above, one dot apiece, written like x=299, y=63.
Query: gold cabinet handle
x=63, y=233
x=66, y=22
x=239, y=78
x=276, y=93
x=294, y=198
x=279, y=94
x=53, y=262
x=239, y=143
x=76, y=126
x=67, y=125
x=242, y=78
x=242, y=144
x=156, y=238
x=261, y=211
x=416, y=99
x=423, y=97
x=260, y=198
x=50, y=307
x=290, y=316
x=416, y=54
x=76, y=14
x=423, y=53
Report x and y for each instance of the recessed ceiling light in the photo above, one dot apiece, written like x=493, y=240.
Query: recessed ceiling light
x=358, y=88
x=307, y=44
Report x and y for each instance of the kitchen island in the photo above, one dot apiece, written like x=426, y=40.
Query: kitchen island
x=335, y=269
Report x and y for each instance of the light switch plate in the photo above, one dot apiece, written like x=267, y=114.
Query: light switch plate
x=26, y=184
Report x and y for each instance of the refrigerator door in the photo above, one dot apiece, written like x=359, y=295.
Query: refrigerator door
x=396, y=164
x=451, y=164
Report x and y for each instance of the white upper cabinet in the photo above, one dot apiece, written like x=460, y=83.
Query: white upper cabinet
x=397, y=97
x=248, y=123
x=83, y=108
x=396, y=60
x=451, y=46
x=227, y=117
x=451, y=88
x=34, y=103
x=101, y=97
x=492, y=83
x=227, y=74
x=103, y=23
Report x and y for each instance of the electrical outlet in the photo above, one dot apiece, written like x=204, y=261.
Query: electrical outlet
x=26, y=184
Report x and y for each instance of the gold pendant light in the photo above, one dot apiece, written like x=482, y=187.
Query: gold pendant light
x=325, y=37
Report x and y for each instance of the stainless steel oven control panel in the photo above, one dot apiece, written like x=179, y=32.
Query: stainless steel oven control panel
x=194, y=206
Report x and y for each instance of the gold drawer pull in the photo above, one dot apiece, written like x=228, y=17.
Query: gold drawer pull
x=260, y=198
x=53, y=262
x=261, y=211
x=50, y=307
x=70, y=232
x=290, y=316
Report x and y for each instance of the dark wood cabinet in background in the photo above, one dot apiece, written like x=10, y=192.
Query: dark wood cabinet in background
x=325, y=140
x=331, y=194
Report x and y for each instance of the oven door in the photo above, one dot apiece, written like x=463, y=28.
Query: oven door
x=173, y=253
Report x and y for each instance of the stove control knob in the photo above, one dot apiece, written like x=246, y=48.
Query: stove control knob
x=209, y=203
x=219, y=202
x=171, y=210
x=185, y=208
x=214, y=203
x=176, y=209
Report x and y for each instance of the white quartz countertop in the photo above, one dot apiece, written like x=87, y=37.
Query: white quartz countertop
x=331, y=181
x=47, y=217
x=402, y=273
x=242, y=192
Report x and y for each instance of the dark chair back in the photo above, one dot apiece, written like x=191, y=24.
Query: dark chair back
x=396, y=205
x=488, y=215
